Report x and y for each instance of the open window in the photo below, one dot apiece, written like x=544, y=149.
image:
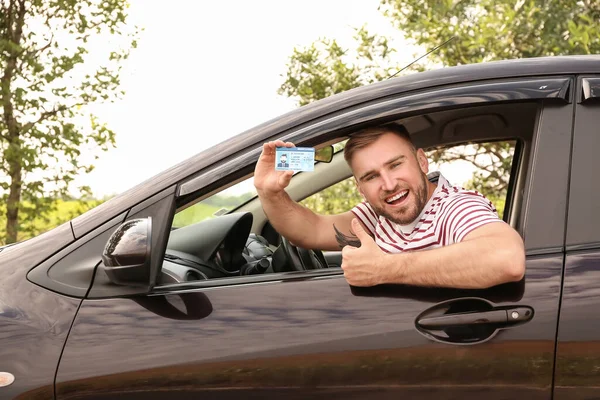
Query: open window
x=485, y=167
x=224, y=235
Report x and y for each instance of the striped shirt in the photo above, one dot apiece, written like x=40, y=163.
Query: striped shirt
x=450, y=214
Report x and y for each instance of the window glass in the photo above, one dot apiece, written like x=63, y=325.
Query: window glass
x=218, y=204
x=228, y=200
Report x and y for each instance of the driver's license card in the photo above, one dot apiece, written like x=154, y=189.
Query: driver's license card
x=295, y=158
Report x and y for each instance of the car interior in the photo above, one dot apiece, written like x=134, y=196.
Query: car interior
x=239, y=240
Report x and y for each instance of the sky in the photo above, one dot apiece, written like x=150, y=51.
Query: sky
x=204, y=71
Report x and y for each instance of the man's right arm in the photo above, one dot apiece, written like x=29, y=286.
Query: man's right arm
x=297, y=223
x=305, y=228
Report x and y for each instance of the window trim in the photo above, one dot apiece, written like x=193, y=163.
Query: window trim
x=590, y=89
x=290, y=276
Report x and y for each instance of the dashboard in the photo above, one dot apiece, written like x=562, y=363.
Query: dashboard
x=216, y=248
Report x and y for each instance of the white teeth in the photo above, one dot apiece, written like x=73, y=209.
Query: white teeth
x=396, y=197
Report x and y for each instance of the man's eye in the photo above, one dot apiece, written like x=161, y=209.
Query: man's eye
x=370, y=178
x=396, y=164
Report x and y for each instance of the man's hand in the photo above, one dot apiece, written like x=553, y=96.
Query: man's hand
x=365, y=265
x=266, y=178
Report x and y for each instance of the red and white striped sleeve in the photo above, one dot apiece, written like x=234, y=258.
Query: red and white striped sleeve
x=466, y=212
x=366, y=215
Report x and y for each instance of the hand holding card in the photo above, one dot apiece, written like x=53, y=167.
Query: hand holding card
x=294, y=159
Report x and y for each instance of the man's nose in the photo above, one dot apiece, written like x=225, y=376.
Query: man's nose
x=388, y=183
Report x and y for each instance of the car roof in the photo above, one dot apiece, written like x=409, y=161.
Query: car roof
x=540, y=66
x=556, y=65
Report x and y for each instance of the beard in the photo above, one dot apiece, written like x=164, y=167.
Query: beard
x=409, y=212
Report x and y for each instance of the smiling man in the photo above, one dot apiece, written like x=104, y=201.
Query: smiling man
x=405, y=212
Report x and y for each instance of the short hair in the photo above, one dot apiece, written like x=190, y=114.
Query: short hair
x=365, y=137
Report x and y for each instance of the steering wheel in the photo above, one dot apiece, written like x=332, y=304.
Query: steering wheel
x=300, y=259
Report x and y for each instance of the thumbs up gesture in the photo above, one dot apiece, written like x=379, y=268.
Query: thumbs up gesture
x=365, y=265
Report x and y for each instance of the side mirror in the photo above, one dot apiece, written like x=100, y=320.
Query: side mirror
x=324, y=154
x=126, y=255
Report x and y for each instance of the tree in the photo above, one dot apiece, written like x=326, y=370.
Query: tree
x=498, y=29
x=484, y=30
x=46, y=88
x=336, y=199
x=325, y=68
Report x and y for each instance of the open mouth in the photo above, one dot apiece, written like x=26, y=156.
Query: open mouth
x=397, y=198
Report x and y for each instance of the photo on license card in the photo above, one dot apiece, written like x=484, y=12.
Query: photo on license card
x=294, y=159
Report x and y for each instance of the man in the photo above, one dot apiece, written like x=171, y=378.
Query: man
x=404, y=213
x=283, y=161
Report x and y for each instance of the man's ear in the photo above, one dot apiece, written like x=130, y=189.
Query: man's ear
x=359, y=189
x=423, y=162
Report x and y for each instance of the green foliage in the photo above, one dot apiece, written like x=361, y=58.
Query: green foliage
x=193, y=214
x=62, y=211
x=497, y=29
x=46, y=84
x=324, y=68
x=499, y=203
x=485, y=30
x=336, y=199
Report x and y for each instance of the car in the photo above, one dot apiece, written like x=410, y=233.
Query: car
x=163, y=292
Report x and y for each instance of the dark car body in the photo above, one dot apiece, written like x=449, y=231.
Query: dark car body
x=68, y=332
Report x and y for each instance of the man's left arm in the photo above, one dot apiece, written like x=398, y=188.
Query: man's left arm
x=487, y=256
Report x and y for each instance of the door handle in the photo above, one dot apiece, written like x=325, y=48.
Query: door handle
x=504, y=317
x=469, y=320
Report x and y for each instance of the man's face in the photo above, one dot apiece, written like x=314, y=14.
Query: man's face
x=283, y=159
x=392, y=178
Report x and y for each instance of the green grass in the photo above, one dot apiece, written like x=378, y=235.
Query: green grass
x=65, y=211
x=193, y=214
x=69, y=209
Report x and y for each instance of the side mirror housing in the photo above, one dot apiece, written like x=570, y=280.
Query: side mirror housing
x=126, y=255
x=324, y=154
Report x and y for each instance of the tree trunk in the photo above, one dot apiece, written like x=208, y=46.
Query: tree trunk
x=13, y=153
x=12, y=205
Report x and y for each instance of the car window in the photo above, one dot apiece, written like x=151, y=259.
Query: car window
x=217, y=204
x=484, y=167
x=212, y=239
x=225, y=201
x=335, y=199
x=227, y=236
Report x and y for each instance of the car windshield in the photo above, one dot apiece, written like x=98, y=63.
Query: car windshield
x=218, y=204
x=224, y=202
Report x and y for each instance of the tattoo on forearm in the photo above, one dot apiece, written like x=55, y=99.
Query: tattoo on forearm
x=345, y=240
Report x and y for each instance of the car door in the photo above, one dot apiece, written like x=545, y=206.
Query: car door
x=310, y=334
x=578, y=348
